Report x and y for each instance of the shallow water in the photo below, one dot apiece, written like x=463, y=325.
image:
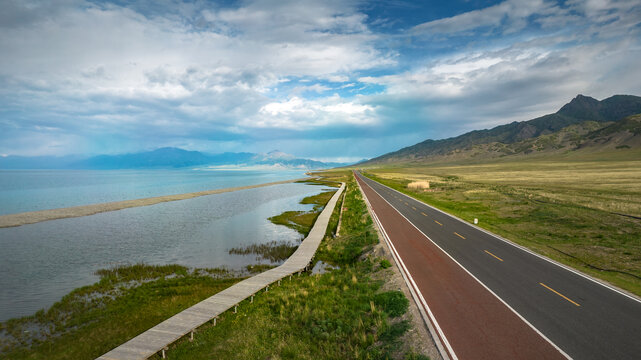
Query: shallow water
x=31, y=190
x=42, y=262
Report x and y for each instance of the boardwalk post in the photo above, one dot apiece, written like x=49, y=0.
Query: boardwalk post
x=164, y=356
x=267, y=288
x=278, y=282
x=191, y=336
x=252, y=299
x=216, y=318
x=290, y=277
x=235, y=309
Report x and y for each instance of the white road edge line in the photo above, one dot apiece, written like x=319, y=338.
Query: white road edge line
x=416, y=294
x=575, y=271
x=475, y=278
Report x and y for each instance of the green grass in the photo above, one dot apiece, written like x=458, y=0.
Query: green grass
x=93, y=319
x=579, y=212
x=341, y=314
x=302, y=221
x=274, y=251
x=321, y=181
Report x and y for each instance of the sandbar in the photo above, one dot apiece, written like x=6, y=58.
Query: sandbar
x=33, y=217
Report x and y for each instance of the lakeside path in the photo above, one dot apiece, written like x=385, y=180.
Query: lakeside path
x=33, y=217
x=158, y=338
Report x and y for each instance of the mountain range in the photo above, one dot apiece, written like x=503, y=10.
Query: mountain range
x=583, y=124
x=167, y=157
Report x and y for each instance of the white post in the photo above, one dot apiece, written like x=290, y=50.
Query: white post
x=278, y=282
x=252, y=299
x=191, y=336
x=215, y=321
x=235, y=308
x=476, y=221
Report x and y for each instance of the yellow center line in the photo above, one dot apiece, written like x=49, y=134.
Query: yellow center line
x=498, y=258
x=424, y=214
x=459, y=235
x=407, y=204
x=438, y=222
x=413, y=208
x=558, y=293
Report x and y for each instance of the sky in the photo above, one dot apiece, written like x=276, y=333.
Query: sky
x=329, y=80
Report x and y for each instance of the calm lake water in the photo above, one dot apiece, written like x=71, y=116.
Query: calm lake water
x=30, y=190
x=42, y=262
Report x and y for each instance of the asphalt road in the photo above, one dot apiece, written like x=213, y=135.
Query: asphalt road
x=493, y=299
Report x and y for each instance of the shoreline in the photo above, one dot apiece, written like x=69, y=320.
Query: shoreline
x=32, y=217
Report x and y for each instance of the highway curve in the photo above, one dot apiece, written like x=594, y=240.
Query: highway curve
x=491, y=299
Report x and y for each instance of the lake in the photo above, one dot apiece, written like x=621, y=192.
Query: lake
x=42, y=262
x=31, y=190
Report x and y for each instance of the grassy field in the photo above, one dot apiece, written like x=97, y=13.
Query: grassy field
x=341, y=314
x=584, y=212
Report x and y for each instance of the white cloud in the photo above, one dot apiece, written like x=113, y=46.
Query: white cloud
x=75, y=74
x=470, y=91
x=112, y=70
x=511, y=15
x=300, y=114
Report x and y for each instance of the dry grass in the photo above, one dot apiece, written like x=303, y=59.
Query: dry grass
x=419, y=185
x=588, y=209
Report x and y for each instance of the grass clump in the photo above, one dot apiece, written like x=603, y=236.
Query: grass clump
x=274, y=251
x=392, y=302
x=140, y=272
x=258, y=268
x=385, y=264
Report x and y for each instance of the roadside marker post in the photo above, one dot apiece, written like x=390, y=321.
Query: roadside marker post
x=476, y=221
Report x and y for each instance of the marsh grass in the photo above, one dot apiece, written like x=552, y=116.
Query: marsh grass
x=93, y=319
x=582, y=213
x=258, y=268
x=274, y=251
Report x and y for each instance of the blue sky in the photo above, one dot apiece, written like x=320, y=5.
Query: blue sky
x=330, y=80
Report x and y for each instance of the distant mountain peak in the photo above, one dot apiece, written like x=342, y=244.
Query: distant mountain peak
x=277, y=154
x=582, y=107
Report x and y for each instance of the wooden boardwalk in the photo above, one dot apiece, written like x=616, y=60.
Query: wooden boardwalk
x=162, y=335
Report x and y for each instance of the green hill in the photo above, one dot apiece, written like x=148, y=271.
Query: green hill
x=582, y=124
